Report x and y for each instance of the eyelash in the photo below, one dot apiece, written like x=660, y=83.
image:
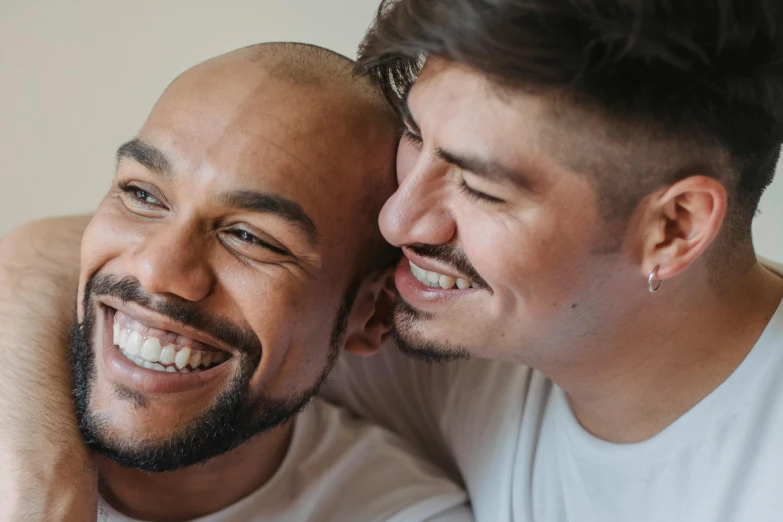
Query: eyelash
x=410, y=137
x=134, y=191
x=247, y=237
x=243, y=235
x=475, y=195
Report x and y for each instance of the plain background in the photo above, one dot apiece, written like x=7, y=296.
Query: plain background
x=78, y=77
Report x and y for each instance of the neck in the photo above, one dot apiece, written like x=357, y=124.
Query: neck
x=657, y=369
x=199, y=490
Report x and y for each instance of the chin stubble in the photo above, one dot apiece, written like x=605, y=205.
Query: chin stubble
x=234, y=419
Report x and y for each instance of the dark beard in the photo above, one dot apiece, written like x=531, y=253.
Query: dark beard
x=235, y=418
x=413, y=345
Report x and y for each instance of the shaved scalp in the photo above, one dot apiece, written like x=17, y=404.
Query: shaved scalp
x=300, y=63
x=307, y=64
x=313, y=67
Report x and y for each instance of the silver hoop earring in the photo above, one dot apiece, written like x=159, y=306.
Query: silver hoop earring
x=653, y=284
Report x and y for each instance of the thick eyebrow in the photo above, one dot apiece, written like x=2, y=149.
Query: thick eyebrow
x=266, y=203
x=478, y=166
x=486, y=169
x=149, y=156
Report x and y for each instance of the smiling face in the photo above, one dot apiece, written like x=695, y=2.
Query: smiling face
x=507, y=252
x=219, y=272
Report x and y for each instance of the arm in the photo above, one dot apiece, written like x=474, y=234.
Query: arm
x=411, y=398
x=45, y=470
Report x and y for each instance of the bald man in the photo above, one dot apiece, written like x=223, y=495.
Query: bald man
x=235, y=255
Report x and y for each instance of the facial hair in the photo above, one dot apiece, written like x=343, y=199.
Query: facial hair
x=234, y=418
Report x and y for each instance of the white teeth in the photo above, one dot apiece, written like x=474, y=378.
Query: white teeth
x=123, y=341
x=150, y=351
x=168, y=354
x=446, y=282
x=134, y=343
x=154, y=366
x=195, y=360
x=182, y=358
x=436, y=280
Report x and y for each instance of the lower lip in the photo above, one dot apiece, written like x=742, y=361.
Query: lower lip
x=418, y=294
x=125, y=372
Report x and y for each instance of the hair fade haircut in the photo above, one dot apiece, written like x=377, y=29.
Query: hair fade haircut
x=706, y=71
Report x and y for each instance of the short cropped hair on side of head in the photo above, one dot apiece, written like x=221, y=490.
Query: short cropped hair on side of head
x=702, y=78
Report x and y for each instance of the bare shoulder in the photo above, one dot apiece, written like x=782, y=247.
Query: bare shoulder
x=40, y=260
x=53, y=241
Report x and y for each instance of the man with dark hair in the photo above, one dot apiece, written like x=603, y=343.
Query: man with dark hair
x=217, y=288
x=577, y=184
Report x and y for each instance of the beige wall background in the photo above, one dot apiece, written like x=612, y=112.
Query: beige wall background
x=78, y=77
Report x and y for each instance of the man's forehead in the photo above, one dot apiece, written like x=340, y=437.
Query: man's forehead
x=243, y=123
x=484, y=116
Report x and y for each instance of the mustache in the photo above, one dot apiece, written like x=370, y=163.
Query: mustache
x=451, y=255
x=129, y=290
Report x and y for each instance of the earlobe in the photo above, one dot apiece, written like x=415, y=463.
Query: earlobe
x=682, y=222
x=373, y=315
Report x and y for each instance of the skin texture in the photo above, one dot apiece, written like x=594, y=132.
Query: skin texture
x=47, y=474
x=566, y=292
x=238, y=123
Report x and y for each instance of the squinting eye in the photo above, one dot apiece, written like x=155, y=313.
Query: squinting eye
x=140, y=195
x=247, y=237
x=146, y=197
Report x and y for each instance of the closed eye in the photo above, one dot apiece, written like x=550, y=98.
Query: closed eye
x=411, y=137
x=478, y=195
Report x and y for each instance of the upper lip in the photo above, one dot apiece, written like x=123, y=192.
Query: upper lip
x=153, y=319
x=426, y=264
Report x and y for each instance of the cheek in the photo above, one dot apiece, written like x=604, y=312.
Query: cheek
x=407, y=153
x=293, y=320
x=105, y=239
x=108, y=235
x=535, y=257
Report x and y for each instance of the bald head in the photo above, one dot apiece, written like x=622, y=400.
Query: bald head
x=294, y=112
x=245, y=209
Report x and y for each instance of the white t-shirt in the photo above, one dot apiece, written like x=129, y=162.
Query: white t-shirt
x=341, y=469
x=509, y=433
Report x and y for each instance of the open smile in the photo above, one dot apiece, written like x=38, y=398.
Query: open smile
x=149, y=354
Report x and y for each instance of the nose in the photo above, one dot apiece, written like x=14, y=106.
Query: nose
x=418, y=213
x=171, y=261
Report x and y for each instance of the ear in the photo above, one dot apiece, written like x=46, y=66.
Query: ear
x=370, y=321
x=679, y=223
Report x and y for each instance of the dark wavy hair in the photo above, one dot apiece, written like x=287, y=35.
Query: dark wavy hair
x=706, y=71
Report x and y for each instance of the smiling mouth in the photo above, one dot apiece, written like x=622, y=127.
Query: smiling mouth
x=443, y=281
x=160, y=350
